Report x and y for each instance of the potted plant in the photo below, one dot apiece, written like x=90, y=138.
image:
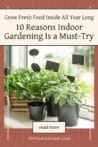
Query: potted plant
x=69, y=97
x=35, y=89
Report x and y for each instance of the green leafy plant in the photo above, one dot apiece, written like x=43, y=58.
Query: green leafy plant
x=13, y=81
x=29, y=84
x=36, y=88
x=68, y=93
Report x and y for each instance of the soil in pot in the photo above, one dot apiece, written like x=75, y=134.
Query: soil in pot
x=69, y=114
x=36, y=110
x=52, y=108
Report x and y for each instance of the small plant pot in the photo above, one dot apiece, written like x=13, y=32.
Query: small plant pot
x=36, y=111
x=69, y=114
x=52, y=108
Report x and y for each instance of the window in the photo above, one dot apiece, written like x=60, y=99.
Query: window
x=7, y=56
x=15, y=56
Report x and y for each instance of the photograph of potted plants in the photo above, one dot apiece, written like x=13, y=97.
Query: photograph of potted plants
x=49, y=83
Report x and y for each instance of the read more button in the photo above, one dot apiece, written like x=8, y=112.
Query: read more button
x=48, y=127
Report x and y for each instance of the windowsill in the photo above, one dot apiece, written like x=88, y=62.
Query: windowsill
x=21, y=120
